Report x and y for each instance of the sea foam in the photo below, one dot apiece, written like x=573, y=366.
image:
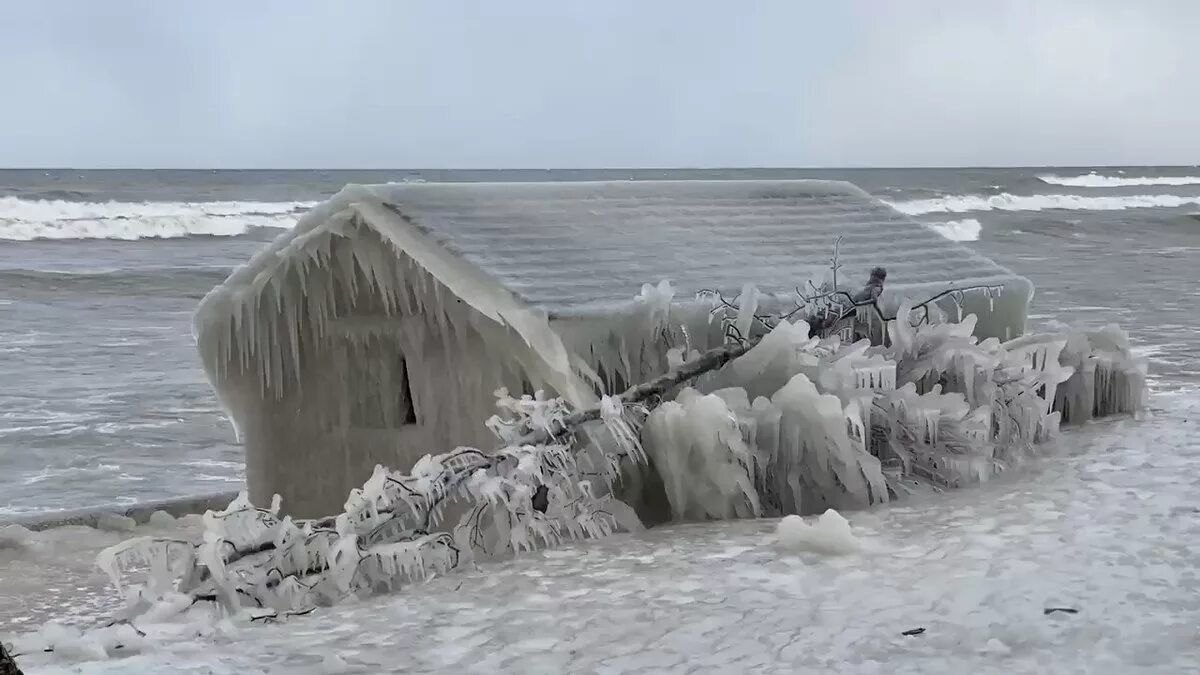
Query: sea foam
x=967, y=229
x=26, y=220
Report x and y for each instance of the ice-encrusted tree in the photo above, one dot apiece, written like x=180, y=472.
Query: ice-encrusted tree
x=780, y=419
x=8, y=665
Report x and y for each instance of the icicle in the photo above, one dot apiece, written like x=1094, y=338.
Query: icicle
x=702, y=458
x=748, y=305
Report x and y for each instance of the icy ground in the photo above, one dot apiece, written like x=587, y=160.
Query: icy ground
x=1108, y=525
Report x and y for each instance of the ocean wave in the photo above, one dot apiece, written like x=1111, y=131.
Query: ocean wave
x=30, y=219
x=168, y=280
x=967, y=229
x=1010, y=202
x=1095, y=180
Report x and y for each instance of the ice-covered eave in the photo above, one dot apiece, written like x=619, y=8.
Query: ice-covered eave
x=216, y=318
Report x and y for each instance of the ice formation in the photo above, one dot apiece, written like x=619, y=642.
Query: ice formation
x=833, y=425
x=830, y=534
x=397, y=528
x=793, y=425
x=377, y=329
x=383, y=359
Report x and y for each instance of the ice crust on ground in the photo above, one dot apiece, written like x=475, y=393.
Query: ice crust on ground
x=53, y=573
x=1105, y=524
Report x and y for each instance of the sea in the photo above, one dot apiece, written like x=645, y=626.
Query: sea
x=1082, y=560
x=103, y=401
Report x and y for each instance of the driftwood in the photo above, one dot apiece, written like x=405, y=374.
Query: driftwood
x=7, y=665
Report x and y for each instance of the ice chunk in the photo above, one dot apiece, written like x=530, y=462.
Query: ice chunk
x=15, y=537
x=699, y=451
x=161, y=519
x=829, y=534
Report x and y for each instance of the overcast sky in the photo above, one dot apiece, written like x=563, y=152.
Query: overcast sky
x=598, y=83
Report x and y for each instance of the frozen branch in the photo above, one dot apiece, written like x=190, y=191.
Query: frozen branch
x=710, y=360
x=8, y=666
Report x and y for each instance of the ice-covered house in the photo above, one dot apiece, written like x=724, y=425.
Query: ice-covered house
x=379, y=327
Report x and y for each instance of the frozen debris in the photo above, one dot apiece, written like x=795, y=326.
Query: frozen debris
x=397, y=528
x=15, y=537
x=69, y=642
x=996, y=647
x=829, y=534
x=161, y=519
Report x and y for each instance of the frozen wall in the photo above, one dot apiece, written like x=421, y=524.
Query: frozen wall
x=354, y=356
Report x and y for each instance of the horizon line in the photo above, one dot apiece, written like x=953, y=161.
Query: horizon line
x=613, y=169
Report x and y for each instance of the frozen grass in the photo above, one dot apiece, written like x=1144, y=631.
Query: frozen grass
x=1106, y=526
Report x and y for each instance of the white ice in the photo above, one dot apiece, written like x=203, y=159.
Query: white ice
x=1106, y=524
x=828, y=533
x=53, y=574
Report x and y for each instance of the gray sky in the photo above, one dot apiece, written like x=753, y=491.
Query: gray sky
x=591, y=83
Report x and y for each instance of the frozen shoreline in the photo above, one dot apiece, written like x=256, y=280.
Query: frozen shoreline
x=140, y=513
x=1105, y=523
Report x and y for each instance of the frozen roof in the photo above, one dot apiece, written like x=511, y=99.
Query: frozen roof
x=522, y=253
x=573, y=247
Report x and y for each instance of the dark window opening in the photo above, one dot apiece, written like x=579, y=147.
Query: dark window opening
x=380, y=397
x=404, y=397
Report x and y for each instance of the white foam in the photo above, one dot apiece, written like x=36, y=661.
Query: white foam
x=1096, y=180
x=967, y=229
x=1010, y=202
x=26, y=220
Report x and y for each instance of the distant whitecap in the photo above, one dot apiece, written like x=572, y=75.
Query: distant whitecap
x=967, y=229
x=30, y=219
x=1011, y=202
x=1095, y=180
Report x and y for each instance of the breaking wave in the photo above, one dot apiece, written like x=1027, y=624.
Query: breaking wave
x=967, y=229
x=1010, y=202
x=169, y=281
x=28, y=219
x=1095, y=180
